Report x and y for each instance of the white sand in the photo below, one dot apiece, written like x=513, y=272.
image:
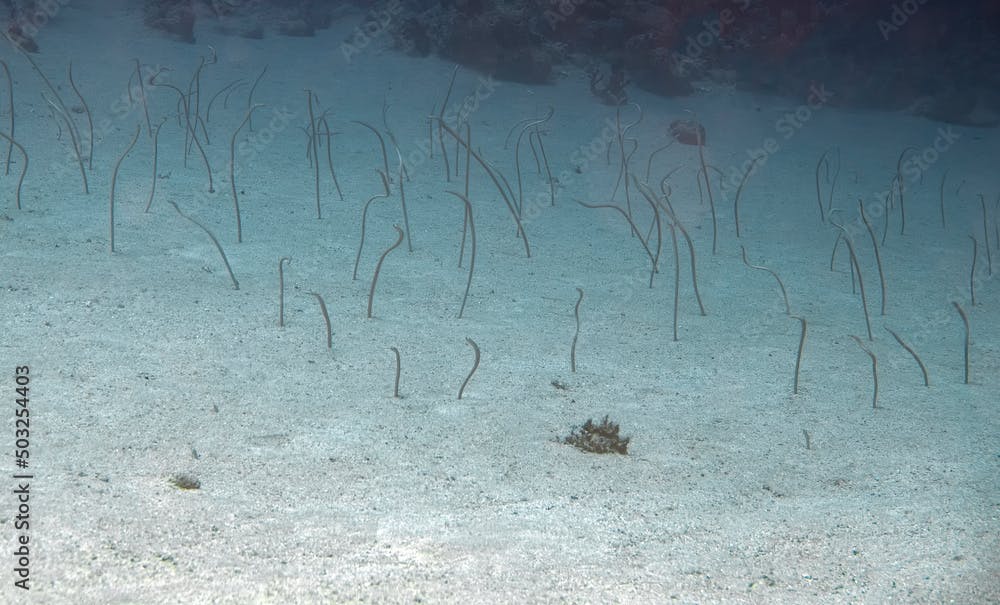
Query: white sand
x=318, y=486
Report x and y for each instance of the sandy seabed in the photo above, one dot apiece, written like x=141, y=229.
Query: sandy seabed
x=318, y=486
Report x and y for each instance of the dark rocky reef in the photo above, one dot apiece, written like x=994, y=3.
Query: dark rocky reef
x=174, y=17
x=501, y=38
x=920, y=57
x=917, y=57
x=22, y=21
x=244, y=18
